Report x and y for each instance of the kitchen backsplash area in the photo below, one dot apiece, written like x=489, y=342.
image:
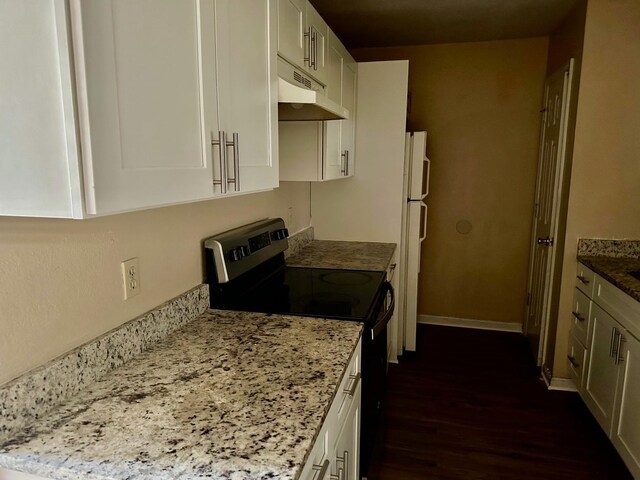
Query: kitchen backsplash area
x=299, y=240
x=33, y=394
x=30, y=396
x=608, y=248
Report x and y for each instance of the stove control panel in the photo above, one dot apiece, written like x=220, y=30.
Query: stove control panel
x=280, y=234
x=232, y=253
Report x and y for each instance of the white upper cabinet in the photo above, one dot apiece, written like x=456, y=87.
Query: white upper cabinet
x=248, y=95
x=292, y=24
x=316, y=54
x=302, y=37
x=129, y=100
x=146, y=74
x=319, y=151
x=39, y=155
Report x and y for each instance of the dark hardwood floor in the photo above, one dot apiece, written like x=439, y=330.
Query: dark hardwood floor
x=470, y=405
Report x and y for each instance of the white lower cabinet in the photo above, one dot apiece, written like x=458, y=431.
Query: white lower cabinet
x=135, y=104
x=336, y=452
x=608, y=377
x=346, y=453
x=625, y=433
x=602, y=372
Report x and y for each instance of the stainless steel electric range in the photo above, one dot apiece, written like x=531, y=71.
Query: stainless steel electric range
x=246, y=271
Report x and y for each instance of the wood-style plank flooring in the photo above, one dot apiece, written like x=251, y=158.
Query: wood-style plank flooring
x=470, y=405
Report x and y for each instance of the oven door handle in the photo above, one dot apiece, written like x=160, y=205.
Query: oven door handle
x=381, y=325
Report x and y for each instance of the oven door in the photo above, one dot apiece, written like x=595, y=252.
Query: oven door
x=374, y=372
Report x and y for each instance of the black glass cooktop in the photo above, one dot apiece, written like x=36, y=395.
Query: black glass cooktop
x=317, y=292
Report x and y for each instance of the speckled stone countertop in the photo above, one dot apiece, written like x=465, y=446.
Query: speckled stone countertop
x=344, y=255
x=232, y=395
x=616, y=270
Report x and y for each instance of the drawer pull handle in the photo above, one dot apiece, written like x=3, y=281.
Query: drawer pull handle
x=619, y=358
x=614, y=334
x=322, y=469
x=579, y=317
x=356, y=379
x=582, y=279
x=573, y=362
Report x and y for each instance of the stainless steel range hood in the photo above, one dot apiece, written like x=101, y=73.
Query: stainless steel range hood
x=302, y=98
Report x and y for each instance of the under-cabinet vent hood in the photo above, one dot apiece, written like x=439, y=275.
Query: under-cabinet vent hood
x=301, y=98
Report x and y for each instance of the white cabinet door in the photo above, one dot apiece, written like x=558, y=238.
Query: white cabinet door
x=247, y=92
x=291, y=29
x=347, y=445
x=318, y=31
x=332, y=165
x=626, y=430
x=39, y=174
x=348, y=126
x=602, y=373
x=146, y=93
x=341, y=88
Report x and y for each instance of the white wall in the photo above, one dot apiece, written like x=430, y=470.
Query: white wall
x=60, y=283
x=368, y=206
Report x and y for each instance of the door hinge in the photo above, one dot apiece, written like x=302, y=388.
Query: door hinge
x=528, y=298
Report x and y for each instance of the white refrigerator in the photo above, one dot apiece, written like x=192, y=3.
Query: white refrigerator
x=414, y=231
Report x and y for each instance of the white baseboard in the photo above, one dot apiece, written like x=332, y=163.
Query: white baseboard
x=562, y=384
x=470, y=323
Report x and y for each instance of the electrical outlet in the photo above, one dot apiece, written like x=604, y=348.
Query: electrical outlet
x=131, y=277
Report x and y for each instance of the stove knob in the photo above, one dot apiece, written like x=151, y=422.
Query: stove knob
x=280, y=234
x=244, y=251
x=234, y=255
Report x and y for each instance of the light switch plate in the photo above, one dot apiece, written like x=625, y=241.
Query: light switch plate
x=131, y=277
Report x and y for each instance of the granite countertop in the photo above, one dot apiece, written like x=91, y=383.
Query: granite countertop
x=232, y=395
x=344, y=255
x=616, y=270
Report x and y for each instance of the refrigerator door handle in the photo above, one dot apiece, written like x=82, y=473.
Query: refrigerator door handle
x=428, y=173
x=423, y=206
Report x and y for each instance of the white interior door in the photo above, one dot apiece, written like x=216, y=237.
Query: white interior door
x=545, y=217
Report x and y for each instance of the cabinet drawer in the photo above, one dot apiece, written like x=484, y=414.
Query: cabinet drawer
x=585, y=278
x=318, y=460
x=618, y=304
x=580, y=317
x=348, y=386
x=577, y=358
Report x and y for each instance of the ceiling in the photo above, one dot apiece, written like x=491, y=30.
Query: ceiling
x=382, y=23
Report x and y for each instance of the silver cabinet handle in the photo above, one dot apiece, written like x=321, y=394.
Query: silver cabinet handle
x=344, y=162
x=343, y=473
x=322, y=469
x=579, y=317
x=221, y=143
x=356, y=379
x=236, y=162
x=619, y=358
x=613, y=340
x=573, y=362
x=582, y=279
x=310, y=35
x=315, y=48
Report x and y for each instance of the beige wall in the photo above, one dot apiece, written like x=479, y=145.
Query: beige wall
x=605, y=177
x=480, y=104
x=61, y=283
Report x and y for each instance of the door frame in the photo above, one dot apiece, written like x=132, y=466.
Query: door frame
x=558, y=222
